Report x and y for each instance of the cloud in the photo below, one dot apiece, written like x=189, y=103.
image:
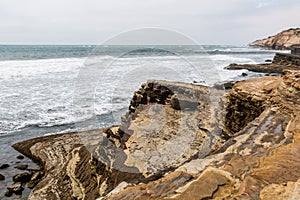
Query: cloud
x=92, y=21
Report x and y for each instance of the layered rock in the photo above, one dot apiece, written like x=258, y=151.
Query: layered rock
x=182, y=141
x=167, y=125
x=281, y=41
x=281, y=61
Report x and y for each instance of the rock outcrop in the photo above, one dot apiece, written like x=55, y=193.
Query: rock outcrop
x=182, y=141
x=258, y=158
x=281, y=41
x=281, y=61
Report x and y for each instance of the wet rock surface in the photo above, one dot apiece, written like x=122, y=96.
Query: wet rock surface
x=23, y=177
x=4, y=166
x=15, y=188
x=2, y=177
x=21, y=167
x=281, y=62
x=20, y=157
x=182, y=141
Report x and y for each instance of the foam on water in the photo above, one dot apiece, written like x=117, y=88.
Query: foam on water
x=40, y=92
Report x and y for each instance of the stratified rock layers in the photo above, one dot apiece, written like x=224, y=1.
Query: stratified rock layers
x=280, y=41
x=281, y=61
x=183, y=141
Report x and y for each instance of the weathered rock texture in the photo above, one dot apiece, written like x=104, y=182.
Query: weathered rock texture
x=259, y=158
x=178, y=142
x=281, y=61
x=281, y=41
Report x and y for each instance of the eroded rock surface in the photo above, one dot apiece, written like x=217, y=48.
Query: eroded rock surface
x=281, y=62
x=281, y=41
x=258, y=158
x=182, y=141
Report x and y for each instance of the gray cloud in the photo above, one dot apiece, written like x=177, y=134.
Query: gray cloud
x=93, y=21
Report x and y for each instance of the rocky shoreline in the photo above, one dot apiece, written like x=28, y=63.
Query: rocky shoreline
x=182, y=141
x=280, y=62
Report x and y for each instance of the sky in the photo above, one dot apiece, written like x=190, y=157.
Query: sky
x=232, y=22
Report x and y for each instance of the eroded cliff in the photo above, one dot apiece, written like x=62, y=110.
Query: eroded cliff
x=281, y=41
x=183, y=141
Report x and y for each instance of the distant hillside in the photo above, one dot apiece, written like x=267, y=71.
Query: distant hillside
x=282, y=41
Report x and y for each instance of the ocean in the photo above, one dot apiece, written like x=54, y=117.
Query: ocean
x=48, y=89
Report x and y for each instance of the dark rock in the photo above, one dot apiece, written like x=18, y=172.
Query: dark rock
x=20, y=157
x=21, y=167
x=229, y=85
x=24, y=177
x=4, y=166
x=244, y=74
x=281, y=61
x=268, y=60
x=2, y=177
x=225, y=86
x=8, y=193
x=180, y=102
x=16, y=188
x=36, y=177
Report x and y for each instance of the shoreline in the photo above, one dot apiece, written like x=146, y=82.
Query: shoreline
x=203, y=122
x=161, y=95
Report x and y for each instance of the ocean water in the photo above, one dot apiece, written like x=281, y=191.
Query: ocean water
x=56, y=89
x=38, y=84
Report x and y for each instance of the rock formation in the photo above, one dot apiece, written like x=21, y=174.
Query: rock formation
x=182, y=141
x=281, y=41
x=281, y=61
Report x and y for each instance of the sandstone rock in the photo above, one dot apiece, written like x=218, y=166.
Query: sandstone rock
x=280, y=41
x=263, y=152
x=21, y=167
x=35, y=179
x=161, y=188
x=244, y=151
x=283, y=191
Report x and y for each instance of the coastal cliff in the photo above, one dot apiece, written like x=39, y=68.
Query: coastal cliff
x=281, y=41
x=182, y=141
x=286, y=40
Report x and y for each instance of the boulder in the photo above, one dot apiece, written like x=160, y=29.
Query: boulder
x=20, y=157
x=15, y=188
x=21, y=167
x=23, y=177
x=4, y=166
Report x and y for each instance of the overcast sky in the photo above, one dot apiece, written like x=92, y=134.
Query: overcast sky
x=235, y=22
